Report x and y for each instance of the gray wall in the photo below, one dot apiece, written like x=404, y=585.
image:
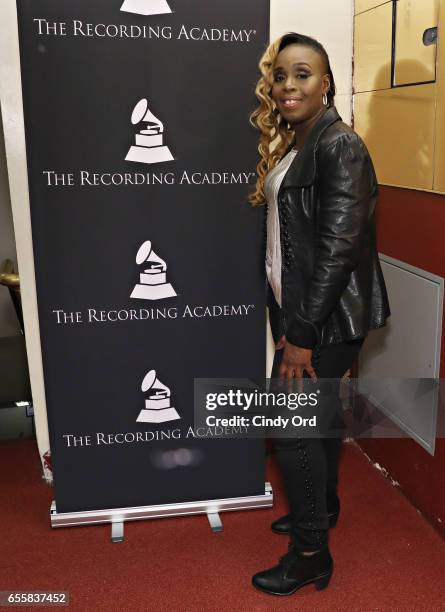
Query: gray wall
x=8, y=321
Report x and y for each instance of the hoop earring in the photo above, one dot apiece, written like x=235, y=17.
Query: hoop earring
x=325, y=99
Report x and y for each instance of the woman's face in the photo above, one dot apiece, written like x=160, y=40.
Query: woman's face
x=300, y=80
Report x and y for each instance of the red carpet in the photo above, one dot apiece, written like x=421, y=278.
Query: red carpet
x=386, y=556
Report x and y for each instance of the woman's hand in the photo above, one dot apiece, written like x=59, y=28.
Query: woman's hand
x=295, y=360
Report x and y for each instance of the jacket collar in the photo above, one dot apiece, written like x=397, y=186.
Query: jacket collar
x=301, y=172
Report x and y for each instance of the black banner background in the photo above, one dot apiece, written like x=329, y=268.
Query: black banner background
x=79, y=93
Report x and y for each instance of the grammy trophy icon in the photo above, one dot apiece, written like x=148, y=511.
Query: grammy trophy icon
x=157, y=404
x=146, y=7
x=149, y=148
x=153, y=280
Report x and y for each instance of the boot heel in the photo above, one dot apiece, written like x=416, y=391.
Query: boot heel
x=323, y=582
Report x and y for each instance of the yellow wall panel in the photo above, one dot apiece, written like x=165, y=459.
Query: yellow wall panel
x=365, y=5
x=439, y=158
x=415, y=61
x=372, y=49
x=398, y=128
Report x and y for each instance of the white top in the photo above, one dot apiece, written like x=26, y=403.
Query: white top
x=272, y=182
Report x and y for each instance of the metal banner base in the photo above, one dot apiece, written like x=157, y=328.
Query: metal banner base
x=118, y=516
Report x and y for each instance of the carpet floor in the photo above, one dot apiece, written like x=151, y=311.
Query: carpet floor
x=387, y=557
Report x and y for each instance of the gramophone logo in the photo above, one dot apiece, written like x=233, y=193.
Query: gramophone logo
x=153, y=283
x=146, y=7
x=157, y=402
x=149, y=148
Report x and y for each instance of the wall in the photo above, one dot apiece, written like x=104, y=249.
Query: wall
x=407, y=145
x=421, y=476
x=395, y=84
x=9, y=325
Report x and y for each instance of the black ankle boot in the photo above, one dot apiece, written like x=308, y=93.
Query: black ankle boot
x=284, y=523
x=295, y=570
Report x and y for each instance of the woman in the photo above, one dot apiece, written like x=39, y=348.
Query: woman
x=326, y=288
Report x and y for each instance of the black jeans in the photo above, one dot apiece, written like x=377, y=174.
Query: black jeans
x=310, y=465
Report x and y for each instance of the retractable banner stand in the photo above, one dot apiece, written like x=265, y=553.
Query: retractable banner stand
x=147, y=255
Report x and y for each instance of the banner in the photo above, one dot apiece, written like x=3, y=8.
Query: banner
x=147, y=255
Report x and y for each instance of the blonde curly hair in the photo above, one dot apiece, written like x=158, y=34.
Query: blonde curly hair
x=267, y=119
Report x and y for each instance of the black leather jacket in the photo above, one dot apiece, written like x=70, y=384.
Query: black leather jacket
x=332, y=284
